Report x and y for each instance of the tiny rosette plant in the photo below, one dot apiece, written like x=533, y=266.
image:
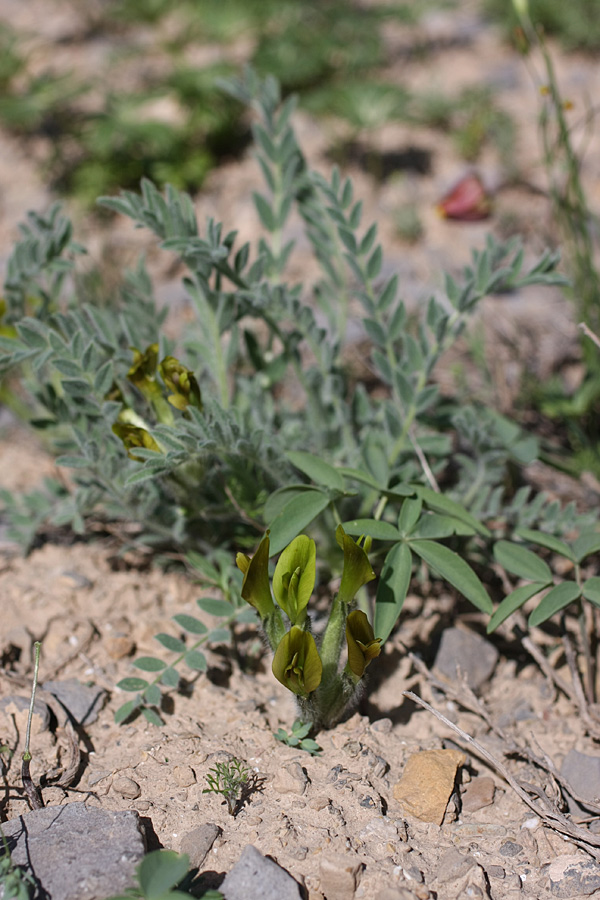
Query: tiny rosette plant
x=313, y=673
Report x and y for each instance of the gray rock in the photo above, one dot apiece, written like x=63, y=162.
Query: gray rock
x=198, y=842
x=83, y=703
x=573, y=876
x=583, y=774
x=468, y=652
x=76, y=853
x=254, y=875
x=39, y=708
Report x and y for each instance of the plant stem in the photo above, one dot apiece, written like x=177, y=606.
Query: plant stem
x=33, y=792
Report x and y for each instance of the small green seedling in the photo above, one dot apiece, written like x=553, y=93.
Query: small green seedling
x=162, y=875
x=228, y=779
x=297, y=737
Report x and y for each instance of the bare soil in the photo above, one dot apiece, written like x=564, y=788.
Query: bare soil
x=95, y=611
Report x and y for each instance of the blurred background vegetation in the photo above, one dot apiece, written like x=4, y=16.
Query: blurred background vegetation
x=154, y=109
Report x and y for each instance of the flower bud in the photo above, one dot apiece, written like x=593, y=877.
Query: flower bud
x=297, y=664
x=357, y=568
x=294, y=578
x=255, y=587
x=134, y=436
x=182, y=382
x=363, y=646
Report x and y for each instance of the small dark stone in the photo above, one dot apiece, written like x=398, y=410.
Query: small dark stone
x=511, y=848
x=495, y=872
x=468, y=653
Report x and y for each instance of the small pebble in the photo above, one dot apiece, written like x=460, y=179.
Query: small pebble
x=40, y=710
x=467, y=652
x=352, y=748
x=379, y=828
x=75, y=579
x=511, y=848
x=496, y=872
x=382, y=726
x=126, y=787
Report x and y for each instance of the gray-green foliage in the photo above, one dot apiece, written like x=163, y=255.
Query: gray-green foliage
x=213, y=474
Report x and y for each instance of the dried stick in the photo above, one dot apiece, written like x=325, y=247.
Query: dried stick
x=461, y=693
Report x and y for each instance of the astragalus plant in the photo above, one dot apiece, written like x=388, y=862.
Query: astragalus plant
x=197, y=440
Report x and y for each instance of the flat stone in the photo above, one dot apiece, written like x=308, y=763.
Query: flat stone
x=468, y=654
x=478, y=794
x=254, y=875
x=572, y=876
x=339, y=873
x=427, y=783
x=583, y=774
x=76, y=853
x=197, y=843
x=83, y=703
